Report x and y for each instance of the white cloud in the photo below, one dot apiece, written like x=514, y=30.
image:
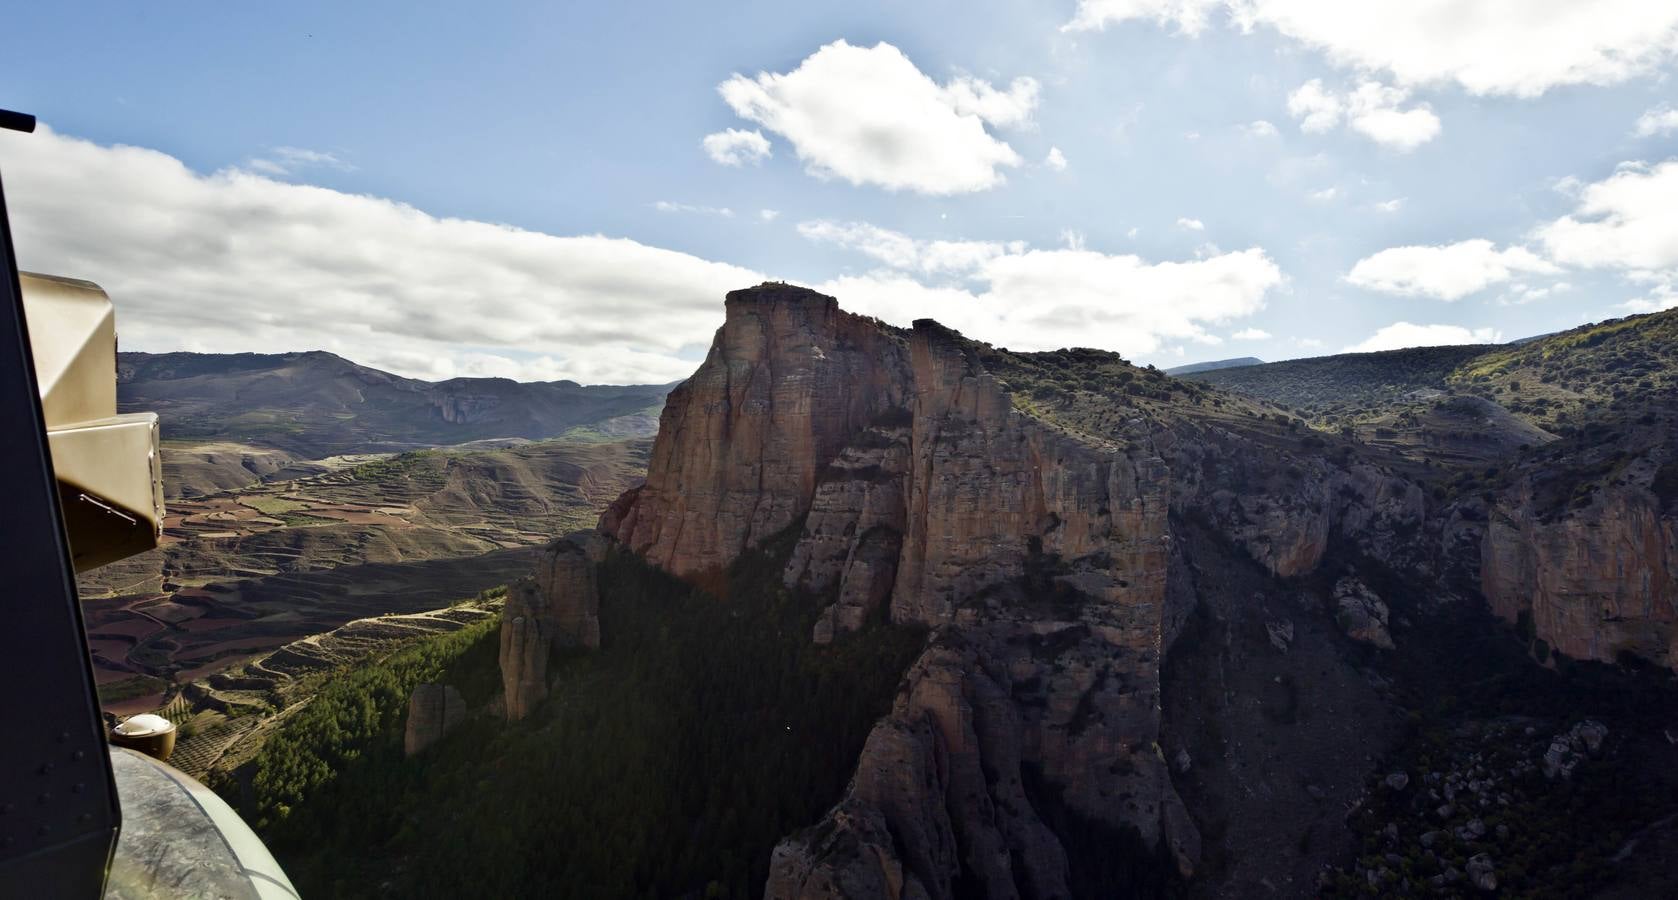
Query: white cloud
x=1317, y=108
x=1012, y=108
x=666, y=206
x=1522, y=294
x=1488, y=47
x=1188, y=224
x=1047, y=299
x=1372, y=110
x=1260, y=129
x=768, y=215
x=736, y=147
x=1308, y=343
x=233, y=261
x=1055, y=160
x=1390, y=206
x=1251, y=334
x=900, y=251
x=1627, y=221
x=1446, y=272
x=1662, y=297
x=867, y=115
x=1662, y=119
x=289, y=160
x=1030, y=299
x=1400, y=335
x=1325, y=195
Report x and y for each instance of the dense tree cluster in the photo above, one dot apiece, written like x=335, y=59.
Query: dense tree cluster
x=665, y=764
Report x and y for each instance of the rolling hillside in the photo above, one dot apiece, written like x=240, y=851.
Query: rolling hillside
x=316, y=404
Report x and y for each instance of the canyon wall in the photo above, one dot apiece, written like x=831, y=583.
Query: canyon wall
x=1594, y=570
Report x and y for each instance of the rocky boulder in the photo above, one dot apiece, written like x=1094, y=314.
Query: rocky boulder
x=1361, y=613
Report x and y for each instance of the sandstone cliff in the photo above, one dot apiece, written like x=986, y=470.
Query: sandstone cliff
x=555, y=608
x=1592, y=565
x=1039, y=549
x=433, y=711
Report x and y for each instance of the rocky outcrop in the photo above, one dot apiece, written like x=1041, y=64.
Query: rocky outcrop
x=1361, y=613
x=526, y=644
x=433, y=711
x=1594, y=568
x=789, y=382
x=1038, y=554
x=556, y=607
x=567, y=583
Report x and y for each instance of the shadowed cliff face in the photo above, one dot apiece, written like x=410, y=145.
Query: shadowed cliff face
x=1038, y=548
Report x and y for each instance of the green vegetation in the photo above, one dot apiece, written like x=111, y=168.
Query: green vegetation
x=348, y=718
x=1559, y=381
x=667, y=763
x=1349, y=388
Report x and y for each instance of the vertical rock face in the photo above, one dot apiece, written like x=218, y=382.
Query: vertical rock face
x=789, y=381
x=557, y=607
x=565, y=579
x=1596, y=571
x=1039, y=556
x=433, y=711
x=526, y=643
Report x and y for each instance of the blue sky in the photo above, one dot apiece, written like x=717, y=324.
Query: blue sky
x=1474, y=171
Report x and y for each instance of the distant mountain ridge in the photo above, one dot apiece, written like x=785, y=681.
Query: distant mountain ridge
x=1214, y=365
x=318, y=404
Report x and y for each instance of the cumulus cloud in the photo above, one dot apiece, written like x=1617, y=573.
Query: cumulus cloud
x=1400, y=335
x=235, y=261
x=1055, y=160
x=1317, y=108
x=1627, y=221
x=1031, y=299
x=1325, y=195
x=1662, y=119
x=1012, y=108
x=1390, y=206
x=867, y=115
x=736, y=147
x=1188, y=224
x=1260, y=129
x=1251, y=334
x=1445, y=272
x=1372, y=109
x=768, y=215
x=1488, y=47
